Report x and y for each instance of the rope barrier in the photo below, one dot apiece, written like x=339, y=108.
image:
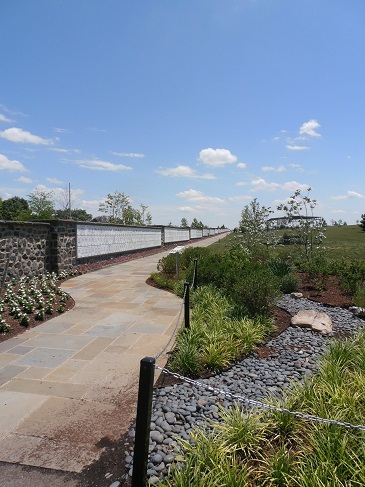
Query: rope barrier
x=262, y=405
x=175, y=329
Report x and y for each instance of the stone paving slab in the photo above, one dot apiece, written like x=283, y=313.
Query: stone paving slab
x=73, y=381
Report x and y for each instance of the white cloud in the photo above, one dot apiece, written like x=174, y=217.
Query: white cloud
x=9, y=165
x=272, y=168
x=25, y=180
x=240, y=198
x=54, y=181
x=5, y=119
x=308, y=129
x=216, y=157
x=297, y=167
x=241, y=183
x=349, y=195
x=98, y=165
x=187, y=209
x=95, y=129
x=184, y=172
x=297, y=147
x=66, y=151
x=198, y=196
x=241, y=165
x=15, y=134
x=260, y=184
x=61, y=131
x=127, y=154
x=91, y=206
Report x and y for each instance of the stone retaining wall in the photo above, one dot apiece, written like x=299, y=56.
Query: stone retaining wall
x=24, y=249
x=32, y=248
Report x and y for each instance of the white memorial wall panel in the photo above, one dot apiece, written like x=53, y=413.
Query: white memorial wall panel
x=93, y=240
x=176, y=234
x=196, y=232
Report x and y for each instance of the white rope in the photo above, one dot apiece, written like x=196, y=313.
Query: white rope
x=260, y=404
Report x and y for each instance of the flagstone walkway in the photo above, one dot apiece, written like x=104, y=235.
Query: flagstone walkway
x=70, y=385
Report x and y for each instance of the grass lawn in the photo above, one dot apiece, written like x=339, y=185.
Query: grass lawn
x=341, y=242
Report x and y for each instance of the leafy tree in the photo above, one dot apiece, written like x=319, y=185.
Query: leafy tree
x=14, y=209
x=146, y=217
x=101, y=219
x=338, y=223
x=254, y=227
x=362, y=222
x=196, y=224
x=118, y=208
x=307, y=230
x=41, y=204
x=76, y=214
x=65, y=200
x=184, y=223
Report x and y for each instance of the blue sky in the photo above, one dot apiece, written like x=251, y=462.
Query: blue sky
x=190, y=107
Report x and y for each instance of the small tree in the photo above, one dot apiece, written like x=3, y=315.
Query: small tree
x=76, y=214
x=41, y=204
x=117, y=206
x=15, y=209
x=148, y=218
x=254, y=227
x=119, y=210
x=307, y=230
x=196, y=224
x=65, y=199
x=362, y=222
x=184, y=223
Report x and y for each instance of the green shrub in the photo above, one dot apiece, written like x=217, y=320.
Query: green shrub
x=359, y=298
x=163, y=281
x=186, y=359
x=167, y=264
x=275, y=448
x=215, y=338
x=289, y=283
x=256, y=290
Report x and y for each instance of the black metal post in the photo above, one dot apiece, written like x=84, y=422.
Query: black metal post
x=143, y=423
x=195, y=278
x=186, y=305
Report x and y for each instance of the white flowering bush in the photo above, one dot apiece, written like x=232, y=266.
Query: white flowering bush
x=4, y=327
x=33, y=298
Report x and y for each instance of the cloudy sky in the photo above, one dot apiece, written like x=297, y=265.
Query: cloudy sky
x=191, y=107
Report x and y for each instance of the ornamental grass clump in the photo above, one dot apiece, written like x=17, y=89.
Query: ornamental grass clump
x=216, y=337
x=271, y=447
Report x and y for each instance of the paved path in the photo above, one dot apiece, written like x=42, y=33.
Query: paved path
x=69, y=385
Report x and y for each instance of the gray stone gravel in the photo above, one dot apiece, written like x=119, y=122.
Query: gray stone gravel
x=293, y=356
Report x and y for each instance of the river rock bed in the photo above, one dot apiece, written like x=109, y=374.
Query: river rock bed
x=289, y=358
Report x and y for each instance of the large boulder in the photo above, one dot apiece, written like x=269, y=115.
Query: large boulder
x=313, y=319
